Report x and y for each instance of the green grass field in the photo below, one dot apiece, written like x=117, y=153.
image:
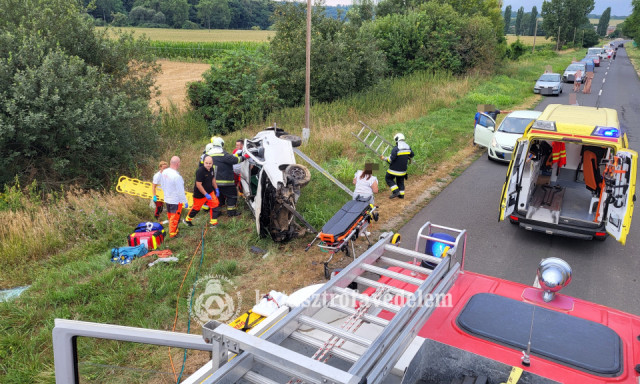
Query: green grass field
x=199, y=35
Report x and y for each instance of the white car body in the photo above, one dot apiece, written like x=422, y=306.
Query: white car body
x=500, y=142
x=269, y=182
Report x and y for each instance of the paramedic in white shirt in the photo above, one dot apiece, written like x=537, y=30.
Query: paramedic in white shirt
x=174, y=197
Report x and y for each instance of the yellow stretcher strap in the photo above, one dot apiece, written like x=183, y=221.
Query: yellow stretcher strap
x=246, y=321
x=144, y=189
x=514, y=376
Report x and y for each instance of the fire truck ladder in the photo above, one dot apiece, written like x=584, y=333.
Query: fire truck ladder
x=285, y=352
x=373, y=140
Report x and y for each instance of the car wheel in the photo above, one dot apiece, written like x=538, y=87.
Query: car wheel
x=298, y=174
x=296, y=141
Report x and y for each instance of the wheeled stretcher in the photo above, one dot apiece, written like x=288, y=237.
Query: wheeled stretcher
x=344, y=228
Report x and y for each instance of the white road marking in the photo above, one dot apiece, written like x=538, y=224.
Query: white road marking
x=606, y=73
x=603, y=80
x=600, y=93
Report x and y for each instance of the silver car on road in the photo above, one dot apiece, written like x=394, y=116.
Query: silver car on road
x=548, y=84
x=571, y=70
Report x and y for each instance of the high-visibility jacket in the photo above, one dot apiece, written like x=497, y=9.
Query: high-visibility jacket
x=399, y=159
x=559, y=153
x=223, y=163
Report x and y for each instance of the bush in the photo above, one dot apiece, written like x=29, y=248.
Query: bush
x=516, y=49
x=76, y=111
x=190, y=25
x=234, y=92
x=345, y=59
x=120, y=20
x=590, y=39
x=436, y=39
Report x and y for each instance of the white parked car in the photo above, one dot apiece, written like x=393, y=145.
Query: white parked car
x=500, y=142
x=271, y=182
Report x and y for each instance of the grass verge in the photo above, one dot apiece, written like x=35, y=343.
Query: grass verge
x=72, y=277
x=634, y=55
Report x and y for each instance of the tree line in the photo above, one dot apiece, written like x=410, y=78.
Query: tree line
x=570, y=16
x=348, y=55
x=186, y=14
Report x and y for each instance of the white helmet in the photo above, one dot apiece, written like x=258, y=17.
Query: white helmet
x=217, y=142
x=209, y=149
x=398, y=137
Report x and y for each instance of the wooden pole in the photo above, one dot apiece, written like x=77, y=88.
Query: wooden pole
x=558, y=42
x=307, y=87
x=574, y=36
x=535, y=32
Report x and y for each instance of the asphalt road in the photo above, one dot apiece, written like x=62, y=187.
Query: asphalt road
x=603, y=272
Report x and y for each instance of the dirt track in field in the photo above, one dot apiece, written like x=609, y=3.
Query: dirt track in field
x=172, y=82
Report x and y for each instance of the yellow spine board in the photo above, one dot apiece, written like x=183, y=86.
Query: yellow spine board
x=144, y=189
x=253, y=319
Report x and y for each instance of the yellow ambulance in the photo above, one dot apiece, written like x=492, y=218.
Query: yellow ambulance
x=572, y=174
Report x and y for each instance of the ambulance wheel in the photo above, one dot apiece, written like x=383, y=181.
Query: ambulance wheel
x=298, y=174
x=395, y=239
x=296, y=141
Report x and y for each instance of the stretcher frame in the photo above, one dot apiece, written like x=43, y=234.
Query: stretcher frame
x=343, y=245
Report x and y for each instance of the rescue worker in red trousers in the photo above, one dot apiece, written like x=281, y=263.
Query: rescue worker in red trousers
x=398, y=162
x=223, y=163
x=204, y=186
x=174, y=197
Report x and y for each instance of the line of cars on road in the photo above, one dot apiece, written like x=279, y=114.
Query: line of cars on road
x=551, y=83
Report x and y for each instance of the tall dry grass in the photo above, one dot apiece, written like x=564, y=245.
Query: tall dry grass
x=33, y=234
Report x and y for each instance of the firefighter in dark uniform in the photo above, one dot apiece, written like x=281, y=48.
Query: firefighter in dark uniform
x=223, y=163
x=398, y=162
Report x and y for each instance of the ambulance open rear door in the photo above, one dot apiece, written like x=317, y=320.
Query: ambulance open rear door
x=511, y=186
x=621, y=186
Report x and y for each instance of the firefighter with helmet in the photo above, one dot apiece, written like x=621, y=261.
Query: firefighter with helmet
x=398, y=161
x=223, y=163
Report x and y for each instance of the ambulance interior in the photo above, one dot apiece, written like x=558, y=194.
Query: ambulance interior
x=570, y=194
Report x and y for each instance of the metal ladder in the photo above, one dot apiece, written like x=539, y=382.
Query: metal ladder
x=373, y=140
x=283, y=353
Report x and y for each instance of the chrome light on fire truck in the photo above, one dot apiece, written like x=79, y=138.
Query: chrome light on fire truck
x=606, y=132
x=553, y=275
x=545, y=125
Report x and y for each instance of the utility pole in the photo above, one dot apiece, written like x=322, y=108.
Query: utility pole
x=574, y=36
x=582, y=42
x=306, y=131
x=535, y=32
x=558, y=42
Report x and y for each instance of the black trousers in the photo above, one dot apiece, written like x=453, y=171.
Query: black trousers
x=395, y=182
x=228, y=196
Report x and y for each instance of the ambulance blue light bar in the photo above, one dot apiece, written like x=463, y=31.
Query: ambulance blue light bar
x=544, y=125
x=606, y=132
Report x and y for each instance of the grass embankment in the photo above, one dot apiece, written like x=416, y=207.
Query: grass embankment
x=634, y=55
x=62, y=249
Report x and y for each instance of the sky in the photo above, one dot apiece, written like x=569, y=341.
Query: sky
x=618, y=7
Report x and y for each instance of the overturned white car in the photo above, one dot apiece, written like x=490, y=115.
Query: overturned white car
x=271, y=182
